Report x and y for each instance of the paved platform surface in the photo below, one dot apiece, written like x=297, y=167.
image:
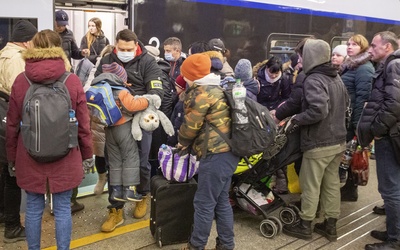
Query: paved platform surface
x=355, y=223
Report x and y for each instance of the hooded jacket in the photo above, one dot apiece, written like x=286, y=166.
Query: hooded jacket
x=382, y=111
x=44, y=65
x=205, y=100
x=143, y=71
x=357, y=74
x=324, y=103
x=11, y=64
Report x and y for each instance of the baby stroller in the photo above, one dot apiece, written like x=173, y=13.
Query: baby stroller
x=249, y=189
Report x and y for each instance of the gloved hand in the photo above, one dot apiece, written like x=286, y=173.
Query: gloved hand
x=11, y=168
x=88, y=166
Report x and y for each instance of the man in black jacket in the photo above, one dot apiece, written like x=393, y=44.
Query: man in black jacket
x=144, y=77
x=380, y=115
x=323, y=137
x=68, y=41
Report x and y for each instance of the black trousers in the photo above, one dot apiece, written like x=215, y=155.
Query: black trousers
x=10, y=199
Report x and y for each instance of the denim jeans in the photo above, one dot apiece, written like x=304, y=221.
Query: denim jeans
x=62, y=213
x=212, y=200
x=388, y=172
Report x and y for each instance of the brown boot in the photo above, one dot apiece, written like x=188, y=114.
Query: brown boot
x=115, y=218
x=327, y=229
x=140, y=208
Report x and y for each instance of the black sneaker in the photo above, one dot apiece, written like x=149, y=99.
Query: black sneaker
x=380, y=235
x=14, y=234
x=76, y=207
x=379, y=210
x=131, y=194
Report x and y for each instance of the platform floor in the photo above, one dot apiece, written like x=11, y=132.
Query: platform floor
x=355, y=223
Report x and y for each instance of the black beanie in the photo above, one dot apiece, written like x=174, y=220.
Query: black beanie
x=23, y=31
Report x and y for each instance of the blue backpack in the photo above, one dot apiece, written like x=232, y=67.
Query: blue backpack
x=102, y=106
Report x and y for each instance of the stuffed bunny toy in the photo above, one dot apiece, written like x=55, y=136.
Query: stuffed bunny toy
x=150, y=119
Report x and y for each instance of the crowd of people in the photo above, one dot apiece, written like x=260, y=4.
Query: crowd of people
x=315, y=87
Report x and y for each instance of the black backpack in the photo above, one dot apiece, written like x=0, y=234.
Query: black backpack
x=3, y=119
x=49, y=127
x=254, y=137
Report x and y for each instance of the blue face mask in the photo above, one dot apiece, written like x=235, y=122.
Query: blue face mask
x=169, y=57
x=125, y=56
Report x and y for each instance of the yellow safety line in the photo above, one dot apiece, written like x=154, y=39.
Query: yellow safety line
x=102, y=236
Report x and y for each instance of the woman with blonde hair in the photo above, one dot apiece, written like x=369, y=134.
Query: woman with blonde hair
x=356, y=72
x=94, y=40
x=46, y=63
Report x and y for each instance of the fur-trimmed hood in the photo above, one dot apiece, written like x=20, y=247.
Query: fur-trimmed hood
x=259, y=66
x=43, y=65
x=355, y=61
x=217, y=60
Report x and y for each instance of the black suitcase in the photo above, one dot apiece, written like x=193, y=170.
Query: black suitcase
x=171, y=214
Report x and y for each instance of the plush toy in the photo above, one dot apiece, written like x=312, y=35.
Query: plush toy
x=150, y=118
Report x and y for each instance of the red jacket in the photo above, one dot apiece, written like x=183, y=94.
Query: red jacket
x=66, y=173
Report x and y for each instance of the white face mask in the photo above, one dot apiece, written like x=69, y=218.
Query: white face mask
x=125, y=56
x=169, y=57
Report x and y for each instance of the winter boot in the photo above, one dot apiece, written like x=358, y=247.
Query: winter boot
x=219, y=246
x=131, y=194
x=300, y=229
x=327, y=229
x=14, y=234
x=115, y=218
x=141, y=208
x=101, y=182
x=117, y=193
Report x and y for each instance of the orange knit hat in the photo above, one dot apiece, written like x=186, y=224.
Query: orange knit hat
x=196, y=66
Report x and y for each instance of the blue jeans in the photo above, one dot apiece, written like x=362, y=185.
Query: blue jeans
x=212, y=200
x=388, y=172
x=62, y=213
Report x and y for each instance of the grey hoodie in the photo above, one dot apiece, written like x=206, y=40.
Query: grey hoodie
x=315, y=52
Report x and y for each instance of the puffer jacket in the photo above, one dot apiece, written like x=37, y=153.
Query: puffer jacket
x=205, y=100
x=357, y=73
x=325, y=98
x=143, y=72
x=383, y=107
x=97, y=46
x=69, y=45
x=44, y=65
x=11, y=64
x=272, y=94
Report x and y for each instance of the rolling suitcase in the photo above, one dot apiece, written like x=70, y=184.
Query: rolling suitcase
x=171, y=214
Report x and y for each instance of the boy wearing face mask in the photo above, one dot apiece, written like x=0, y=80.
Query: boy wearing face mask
x=174, y=55
x=144, y=76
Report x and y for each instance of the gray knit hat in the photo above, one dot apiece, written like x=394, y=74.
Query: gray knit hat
x=243, y=70
x=23, y=31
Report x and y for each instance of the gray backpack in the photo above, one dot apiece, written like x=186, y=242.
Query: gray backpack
x=48, y=132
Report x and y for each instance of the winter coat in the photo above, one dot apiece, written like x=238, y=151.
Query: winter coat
x=43, y=65
x=143, y=71
x=357, y=74
x=271, y=94
x=322, y=120
x=11, y=64
x=205, y=100
x=383, y=107
x=292, y=105
x=176, y=66
x=69, y=45
x=170, y=97
x=97, y=46
x=252, y=88
x=177, y=118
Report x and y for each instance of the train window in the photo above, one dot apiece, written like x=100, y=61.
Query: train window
x=282, y=45
x=338, y=40
x=6, y=25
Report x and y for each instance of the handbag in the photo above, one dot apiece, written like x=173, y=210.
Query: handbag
x=395, y=140
x=360, y=166
x=177, y=165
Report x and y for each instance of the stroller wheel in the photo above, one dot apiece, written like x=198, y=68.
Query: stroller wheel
x=268, y=229
x=288, y=216
x=277, y=222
